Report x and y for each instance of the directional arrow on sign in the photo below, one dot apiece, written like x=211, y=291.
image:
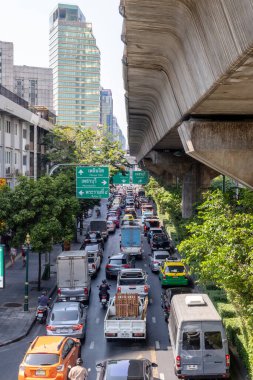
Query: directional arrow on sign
x=80, y=172
x=81, y=192
x=104, y=182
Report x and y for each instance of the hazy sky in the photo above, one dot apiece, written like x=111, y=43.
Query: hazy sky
x=26, y=24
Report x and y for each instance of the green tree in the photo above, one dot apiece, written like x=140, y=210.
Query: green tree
x=45, y=208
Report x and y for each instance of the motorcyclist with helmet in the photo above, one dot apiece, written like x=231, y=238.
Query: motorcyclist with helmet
x=104, y=290
x=43, y=302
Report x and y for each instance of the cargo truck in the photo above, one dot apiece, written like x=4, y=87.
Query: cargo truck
x=126, y=317
x=73, y=280
x=131, y=242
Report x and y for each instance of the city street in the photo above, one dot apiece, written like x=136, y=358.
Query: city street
x=95, y=348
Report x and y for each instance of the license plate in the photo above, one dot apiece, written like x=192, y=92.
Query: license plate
x=124, y=335
x=175, y=276
x=39, y=372
x=72, y=298
x=64, y=330
x=132, y=288
x=192, y=366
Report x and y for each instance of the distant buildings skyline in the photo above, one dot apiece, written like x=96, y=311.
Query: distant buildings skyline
x=74, y=77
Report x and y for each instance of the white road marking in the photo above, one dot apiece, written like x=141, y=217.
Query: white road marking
x=157, y=345
x=161, y=376
x=154, y=319
x=97, y=320
x=145, y=265
x=150, y=300
x=92, y=345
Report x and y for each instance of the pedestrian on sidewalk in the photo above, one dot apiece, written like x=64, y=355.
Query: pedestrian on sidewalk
x=23, y=253
x=13, y=254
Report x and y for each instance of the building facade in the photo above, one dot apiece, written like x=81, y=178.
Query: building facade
x=21, y=138
x=75, y=61
x=106, y=109
x=34, y=84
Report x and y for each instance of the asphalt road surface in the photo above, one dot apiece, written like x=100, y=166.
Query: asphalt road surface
x=95, y=348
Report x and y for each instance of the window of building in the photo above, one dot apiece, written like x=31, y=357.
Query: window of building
x=24, y=133
x=19, y=87
x=33, y=91
x=24, y=160
x=8, y=126
x=8, y=157
x=16, y=129
x=15, y=158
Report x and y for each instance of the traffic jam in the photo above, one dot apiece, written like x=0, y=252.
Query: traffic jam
x=127, y=265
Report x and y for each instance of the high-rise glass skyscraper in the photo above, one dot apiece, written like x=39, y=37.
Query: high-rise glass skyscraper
x=75, y=60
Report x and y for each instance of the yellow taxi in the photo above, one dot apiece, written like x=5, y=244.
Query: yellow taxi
x=48, y=357
x=128, y=217
x=173, y=273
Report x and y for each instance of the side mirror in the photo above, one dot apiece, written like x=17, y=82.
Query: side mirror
x=154, y=365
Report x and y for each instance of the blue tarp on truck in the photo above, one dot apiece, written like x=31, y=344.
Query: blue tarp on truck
x=131, y=240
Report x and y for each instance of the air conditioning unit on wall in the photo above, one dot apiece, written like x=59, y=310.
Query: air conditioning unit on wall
x=27, y=173
x=8, y=170
x=27, y=146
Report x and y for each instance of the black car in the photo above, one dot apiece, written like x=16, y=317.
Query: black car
x=93, y=237
x=118, y=262
x=160, y=241
x=167, y=295
x=150, y=223
x=125, y=369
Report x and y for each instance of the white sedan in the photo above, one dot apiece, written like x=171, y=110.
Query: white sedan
x=111, y=226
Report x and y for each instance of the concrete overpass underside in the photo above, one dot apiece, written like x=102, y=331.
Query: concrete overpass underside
x=188, y=74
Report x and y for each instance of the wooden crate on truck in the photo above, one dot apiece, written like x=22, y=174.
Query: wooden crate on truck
x=126, y=305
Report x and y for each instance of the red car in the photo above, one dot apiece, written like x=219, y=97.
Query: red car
x=115, y=219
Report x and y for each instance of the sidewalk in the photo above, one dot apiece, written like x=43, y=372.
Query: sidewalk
x=15, y=323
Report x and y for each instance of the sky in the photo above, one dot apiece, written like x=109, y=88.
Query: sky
x=26, y=24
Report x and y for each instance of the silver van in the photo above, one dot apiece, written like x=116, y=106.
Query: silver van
x=198, y=338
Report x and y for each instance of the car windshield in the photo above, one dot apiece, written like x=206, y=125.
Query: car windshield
x=41, y=359
x=116, y=262
x=174, y=269
x=64, y=315
x=161, y=256
x=154, y=223
x=91, y=259
x=160, y=239
x=158, y=231
x=125, y=370
x=132, y=281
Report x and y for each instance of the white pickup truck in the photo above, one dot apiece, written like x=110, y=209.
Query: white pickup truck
x=121, y=324
x=133, y=280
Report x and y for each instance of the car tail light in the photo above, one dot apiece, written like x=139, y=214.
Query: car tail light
x=77, y=327
x=50, y=328
x=145, y=288
x=178, y=361
x=164, y=276
x=21, y=368
x=110, y=334
x=227, y=360
x=119, y=289
x=59, y=291
x=60, y=368
x=93, y=266
x=156, y=262
x=108, y=266
x=126, y=266
x=138, y=334
x=85, y=290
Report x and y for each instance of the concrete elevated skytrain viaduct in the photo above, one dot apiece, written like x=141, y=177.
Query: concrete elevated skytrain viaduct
x=188, y=74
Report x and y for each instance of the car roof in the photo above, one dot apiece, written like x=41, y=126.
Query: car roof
x=174, y=263
x=46, y=344
x=161, y=252
x=91, y=247
x=155, y=229
x=62, y=306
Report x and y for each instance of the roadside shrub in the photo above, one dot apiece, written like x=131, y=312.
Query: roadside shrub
x=233, y=328
x=226, y=310
x=242, y=350
x=217, y=295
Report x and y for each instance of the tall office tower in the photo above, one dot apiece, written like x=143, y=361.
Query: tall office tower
x=106, y=110
x=75, y=60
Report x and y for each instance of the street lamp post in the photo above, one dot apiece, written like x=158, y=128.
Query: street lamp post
x=27, y=249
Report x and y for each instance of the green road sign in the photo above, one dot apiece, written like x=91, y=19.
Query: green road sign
x=140, y=177
x=120, y=179
x=92, y=171
x=92, y=182
x=1, y=266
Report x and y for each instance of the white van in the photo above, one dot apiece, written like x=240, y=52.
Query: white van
x=198, y=338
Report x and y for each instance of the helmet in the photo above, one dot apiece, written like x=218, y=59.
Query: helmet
x=44, y=293
x=104, y=282
x=79, y=361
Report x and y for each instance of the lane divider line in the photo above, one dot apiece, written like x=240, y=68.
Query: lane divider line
x=92, y=345
x=157, y=345
x=162, y=376
x=154, y=319
x=97, y=320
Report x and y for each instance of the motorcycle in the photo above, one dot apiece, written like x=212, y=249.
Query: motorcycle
x=41, y=314
x=104, y=299
x=98, y=213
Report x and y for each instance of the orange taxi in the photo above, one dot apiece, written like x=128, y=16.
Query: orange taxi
x=48, y=357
